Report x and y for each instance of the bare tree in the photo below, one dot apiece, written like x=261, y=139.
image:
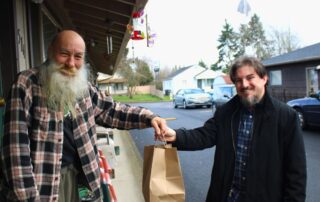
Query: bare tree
x=284, y=41
x=128, y=73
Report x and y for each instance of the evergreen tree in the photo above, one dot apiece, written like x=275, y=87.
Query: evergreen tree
x=253, y=40
x=214, y=67
x=228, y=48
x=202, y=64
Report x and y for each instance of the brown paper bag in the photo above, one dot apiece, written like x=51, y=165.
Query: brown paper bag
x=162, y=178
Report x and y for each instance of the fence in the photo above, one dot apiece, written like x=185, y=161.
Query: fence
x=150, y=89
x=285, y=95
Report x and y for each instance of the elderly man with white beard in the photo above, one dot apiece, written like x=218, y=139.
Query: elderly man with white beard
x=50, y=127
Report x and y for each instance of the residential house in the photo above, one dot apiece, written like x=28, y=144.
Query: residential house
x=193, y=76
x=294, y=74
x=112, y=84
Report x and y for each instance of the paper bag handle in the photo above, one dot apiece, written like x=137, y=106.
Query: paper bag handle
x=163, y=144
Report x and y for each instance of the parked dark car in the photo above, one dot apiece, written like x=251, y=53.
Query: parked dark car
x=191, y=97
x=221, y=94
x=308, y=109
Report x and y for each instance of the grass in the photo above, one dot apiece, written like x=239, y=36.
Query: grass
x=139, y=98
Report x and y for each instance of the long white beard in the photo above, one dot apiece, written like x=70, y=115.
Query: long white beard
x=62, y=91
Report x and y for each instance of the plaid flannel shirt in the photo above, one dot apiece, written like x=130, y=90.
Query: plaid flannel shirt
x=33, y=138
x=244, y=140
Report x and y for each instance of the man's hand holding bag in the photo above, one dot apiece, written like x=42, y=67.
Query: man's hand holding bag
x=162, y=178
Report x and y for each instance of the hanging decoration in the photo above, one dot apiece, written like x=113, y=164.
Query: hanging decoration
x=137, y=28
x=244, y=7
x=150, y=34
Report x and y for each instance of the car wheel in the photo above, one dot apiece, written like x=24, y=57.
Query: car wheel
x=185, y=104
x=301, y=119
x=175, y=104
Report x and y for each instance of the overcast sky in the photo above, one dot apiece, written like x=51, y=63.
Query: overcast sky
x=188, y=30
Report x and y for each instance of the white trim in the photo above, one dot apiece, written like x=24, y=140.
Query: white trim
x=22, y=42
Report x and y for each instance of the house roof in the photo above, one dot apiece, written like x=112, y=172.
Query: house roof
x=112, y=80
x=102, y=76
x=307, y=53
x=173, y=74
x=106, y=79
x=208, y=74
x=227, y=79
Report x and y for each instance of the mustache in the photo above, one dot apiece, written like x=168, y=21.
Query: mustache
x=244, y=89
x=67, y=70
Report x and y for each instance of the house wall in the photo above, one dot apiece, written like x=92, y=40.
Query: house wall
x=294, y=80
x=8, y=62
x=206, y=84
x=185, y=79
x=112, y=90
x=167, y=85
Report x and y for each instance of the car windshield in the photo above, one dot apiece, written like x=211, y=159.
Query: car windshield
x=193, y=91
x=230, y=91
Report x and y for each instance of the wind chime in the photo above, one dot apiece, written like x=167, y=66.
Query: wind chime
x=136, y=31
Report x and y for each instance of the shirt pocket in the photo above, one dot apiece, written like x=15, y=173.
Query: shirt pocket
x=40, y=125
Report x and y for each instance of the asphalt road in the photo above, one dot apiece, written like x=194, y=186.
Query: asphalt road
x=197, y=165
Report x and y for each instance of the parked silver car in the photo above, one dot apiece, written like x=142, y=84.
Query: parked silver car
x=191, y=97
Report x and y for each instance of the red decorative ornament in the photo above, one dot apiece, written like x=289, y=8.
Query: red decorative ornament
x=137, y=33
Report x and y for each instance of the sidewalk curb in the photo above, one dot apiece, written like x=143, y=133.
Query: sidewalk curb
x=128, y=180
x=135, y=149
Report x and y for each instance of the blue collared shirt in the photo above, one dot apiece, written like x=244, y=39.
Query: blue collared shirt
x=244, y=140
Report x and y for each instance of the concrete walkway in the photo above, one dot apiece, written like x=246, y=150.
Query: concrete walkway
x=128, y=168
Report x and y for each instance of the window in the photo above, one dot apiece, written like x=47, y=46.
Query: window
x=119, y=86
x=209, y=82
x=312, y=79
x=199, y=83
x=275, y=77
x=49, y=28
x=49, y=31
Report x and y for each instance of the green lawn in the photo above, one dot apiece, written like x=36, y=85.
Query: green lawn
x=139, y=98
